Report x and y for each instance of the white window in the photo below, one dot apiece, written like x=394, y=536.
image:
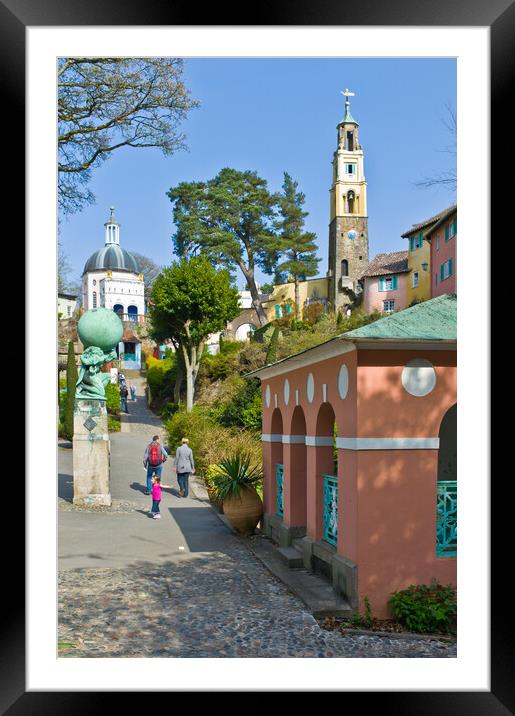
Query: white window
x=414, y=279
x=350, y=168
x=388, y=306
x=94, y=299
x=69, y=310
x=388, y=285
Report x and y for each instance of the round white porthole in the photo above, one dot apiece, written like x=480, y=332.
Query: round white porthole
x=418, y=377
x=343, y=382
x=267, y=396
x=286, y=391
x=310, y=387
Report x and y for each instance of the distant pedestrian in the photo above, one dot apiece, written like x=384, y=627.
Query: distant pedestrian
x=133, y=391
x=155, y=456
x=184, y=465
x=124, y=393
x=157, y=486
x=122, y=378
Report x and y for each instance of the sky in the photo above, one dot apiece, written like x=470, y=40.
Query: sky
x=272, y=115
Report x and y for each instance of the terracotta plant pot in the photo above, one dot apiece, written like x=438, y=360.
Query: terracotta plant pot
x=244, y=511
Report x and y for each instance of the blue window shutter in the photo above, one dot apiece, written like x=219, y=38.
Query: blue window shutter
x=278, y=311
x=436, y=279
x=411, y=244
x=455, y=222
x=441, y=272
x=381, y=284
x=450, y=267
x=394, y=284
x=447, y=232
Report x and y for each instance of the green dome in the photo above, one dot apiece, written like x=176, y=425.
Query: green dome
x=100, y=327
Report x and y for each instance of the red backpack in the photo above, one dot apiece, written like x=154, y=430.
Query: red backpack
x=154, y=454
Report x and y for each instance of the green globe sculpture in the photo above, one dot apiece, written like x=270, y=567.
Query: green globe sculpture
x=99, y=329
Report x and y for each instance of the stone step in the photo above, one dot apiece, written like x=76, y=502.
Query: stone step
x=297, y=544
x=316, y=592
x=291, y=557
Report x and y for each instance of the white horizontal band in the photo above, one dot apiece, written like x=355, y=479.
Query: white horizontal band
x=271, y=438
x=388, y=443
x=294, y=439
x=317, y=441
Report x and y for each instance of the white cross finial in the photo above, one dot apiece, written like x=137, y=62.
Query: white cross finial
x=347, y=93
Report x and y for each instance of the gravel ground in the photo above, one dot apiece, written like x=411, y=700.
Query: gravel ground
x=210, y=604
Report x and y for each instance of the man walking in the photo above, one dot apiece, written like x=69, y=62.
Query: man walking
x=155, y=456
x=124, y=392
x=184, y=465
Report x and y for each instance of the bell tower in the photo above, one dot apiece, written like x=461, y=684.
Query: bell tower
x=348, y=228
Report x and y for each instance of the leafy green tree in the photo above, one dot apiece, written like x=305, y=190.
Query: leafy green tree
x=190, y=301
x=105, y=103
x=71, y=381
x=298, y=247
x=230, y=220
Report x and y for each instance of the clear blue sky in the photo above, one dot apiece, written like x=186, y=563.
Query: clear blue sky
x=275, y=115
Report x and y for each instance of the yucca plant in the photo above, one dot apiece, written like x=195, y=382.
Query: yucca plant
x=235, y=473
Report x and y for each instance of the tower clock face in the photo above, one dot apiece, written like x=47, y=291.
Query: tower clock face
x=352, y=234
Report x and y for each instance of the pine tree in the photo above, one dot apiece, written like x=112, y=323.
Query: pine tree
x=297, y=247
x=71, y=381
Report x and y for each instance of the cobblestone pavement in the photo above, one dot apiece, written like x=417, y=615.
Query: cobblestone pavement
x=210, y=604
x=183, y=586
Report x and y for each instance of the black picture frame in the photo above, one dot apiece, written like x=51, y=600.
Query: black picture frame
x=499, y=15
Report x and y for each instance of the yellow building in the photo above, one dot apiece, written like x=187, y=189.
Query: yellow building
x=419, y=261
x=281, y=302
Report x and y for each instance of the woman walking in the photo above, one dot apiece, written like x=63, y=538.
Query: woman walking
x=184, y=466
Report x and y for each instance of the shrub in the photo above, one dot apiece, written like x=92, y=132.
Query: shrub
x=244, y=408
x=312, y=312
x=425, y=608
x=113, y=424
x=221, y=364
x=271, y=354
x=157, y=371
x=71, y=380
x=112, y=399
x=251, y=357
x=234, y=473
x=169, y=409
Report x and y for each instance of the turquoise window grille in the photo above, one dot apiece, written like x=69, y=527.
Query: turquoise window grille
x=446, y=518
x=330, y=509
x=279, y=494
x=277, y=311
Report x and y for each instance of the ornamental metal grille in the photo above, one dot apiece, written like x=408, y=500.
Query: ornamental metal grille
x=446, y=518
x=330, y=508
x=279, y=489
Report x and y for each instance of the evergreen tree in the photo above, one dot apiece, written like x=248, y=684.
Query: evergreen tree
x=298, y=247
x=71, y=381
x=271, y=354
x=230, y=220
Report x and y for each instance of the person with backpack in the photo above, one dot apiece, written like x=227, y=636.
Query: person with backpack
x=184, y=466
x=155, y=456
x=124, y=393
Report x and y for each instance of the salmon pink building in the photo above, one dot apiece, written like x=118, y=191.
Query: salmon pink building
x=442, y=238
x=359, y=451
x=385, y=282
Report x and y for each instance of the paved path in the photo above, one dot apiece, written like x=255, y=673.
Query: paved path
x=182, y=586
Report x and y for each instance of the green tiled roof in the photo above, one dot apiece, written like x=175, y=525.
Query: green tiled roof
x=431, y=320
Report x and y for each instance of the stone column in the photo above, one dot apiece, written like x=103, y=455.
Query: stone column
x=90, y=453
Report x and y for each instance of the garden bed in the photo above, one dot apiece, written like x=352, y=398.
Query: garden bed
x=378, y=627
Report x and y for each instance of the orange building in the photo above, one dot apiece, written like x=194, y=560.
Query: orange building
x=359, y=451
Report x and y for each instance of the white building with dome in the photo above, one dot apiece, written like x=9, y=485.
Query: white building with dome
x=112, y=278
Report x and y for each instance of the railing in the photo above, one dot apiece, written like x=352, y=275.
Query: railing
x=446, y=518
x=330, y=509
x=132, y=317
x=279, y=494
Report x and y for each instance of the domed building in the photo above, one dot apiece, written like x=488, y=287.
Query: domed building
x=112, y=279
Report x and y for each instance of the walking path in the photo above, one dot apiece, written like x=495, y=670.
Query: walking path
x=182, y=586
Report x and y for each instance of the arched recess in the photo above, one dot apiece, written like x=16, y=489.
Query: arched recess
x=447, y=489
x=277, y=463
x=326, y=475
x=297, y=498
x=118, y=308
x=345, y=267
x=133, y=313
x=351, y=197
